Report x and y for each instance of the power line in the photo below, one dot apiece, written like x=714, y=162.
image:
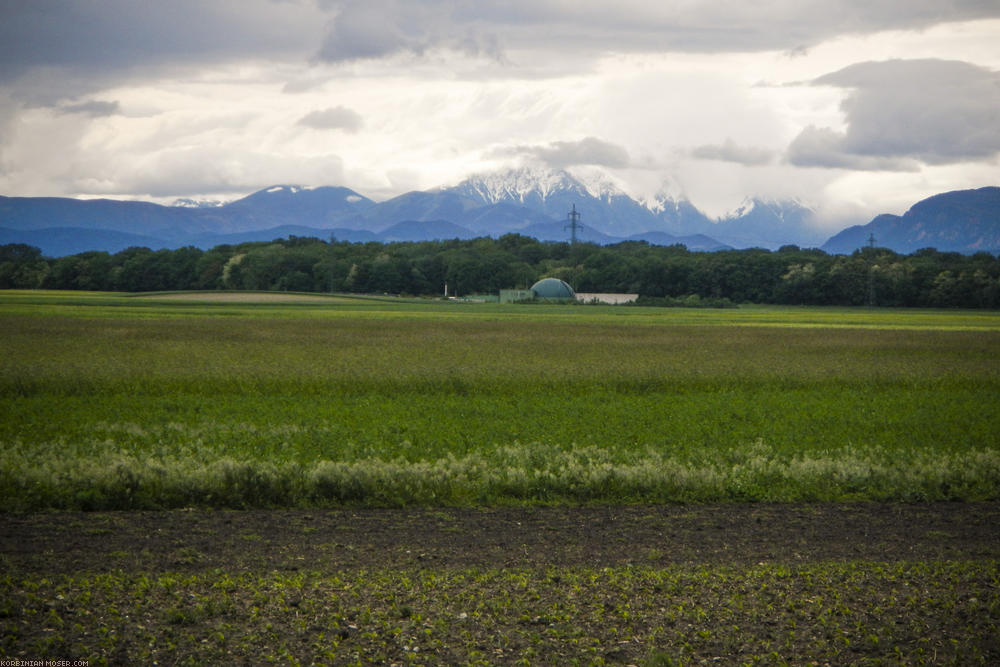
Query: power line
x=573, y=225
x=871, y=271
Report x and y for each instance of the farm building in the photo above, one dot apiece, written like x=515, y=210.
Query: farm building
x=553, y=289
x=546, y=289
x=604, y=297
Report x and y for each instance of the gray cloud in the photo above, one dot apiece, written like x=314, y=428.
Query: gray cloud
x=562, y=154
x=337, y=118
x=103, y=35
x=377, y=28
x=365, y=29
x=93, y=108
x=823, y=147
x=729, y=151
x=902, y=111
x=122, y=35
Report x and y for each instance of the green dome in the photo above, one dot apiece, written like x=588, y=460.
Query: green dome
x=552, y=288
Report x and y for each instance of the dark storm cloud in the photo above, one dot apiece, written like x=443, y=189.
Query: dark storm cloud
x=901, y=111
x=379, y=28
x=365, y=29
x=562, y=154
x=120, y=34
x=337, y=118
x=729, y=151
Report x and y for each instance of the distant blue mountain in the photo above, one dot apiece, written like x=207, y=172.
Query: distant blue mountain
x=557, y=231
x=412, y=207
x=531, y=202
x=322, y=208
x=698, y=242
x=62, y=241
x=283, y=232
x=965, y=221
x=425, y=230
x=129, y=217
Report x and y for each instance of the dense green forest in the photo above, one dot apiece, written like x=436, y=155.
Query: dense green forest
x=660, y=274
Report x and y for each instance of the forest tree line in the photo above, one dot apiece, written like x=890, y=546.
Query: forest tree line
x=790, y=275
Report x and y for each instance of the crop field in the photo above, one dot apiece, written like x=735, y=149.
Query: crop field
x=120, y=409
x=117, y=403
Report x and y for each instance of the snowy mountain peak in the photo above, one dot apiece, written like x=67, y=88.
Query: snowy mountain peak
x=518, y=184
x=745, y=208
x=669, y=198
x=662, y=202
x=534, y=184
x=598, y=183
x=773, y=208
x=196, y=203
x=290, y=189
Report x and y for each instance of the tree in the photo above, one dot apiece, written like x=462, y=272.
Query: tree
x=22, y=267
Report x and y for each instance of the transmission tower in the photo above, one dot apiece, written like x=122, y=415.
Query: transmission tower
x=871, y=271
x=573, y=225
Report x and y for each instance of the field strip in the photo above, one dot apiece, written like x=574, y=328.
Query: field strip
x=595, y=536
x=243, y=297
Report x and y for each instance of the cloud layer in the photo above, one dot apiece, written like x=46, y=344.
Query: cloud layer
x=818, y=99
x=903, y=112
x=564, y=154
x=378, y=28
x=731, y=152
x=337, y=118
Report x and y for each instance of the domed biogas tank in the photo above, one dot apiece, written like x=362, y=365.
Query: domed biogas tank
x=552, y=288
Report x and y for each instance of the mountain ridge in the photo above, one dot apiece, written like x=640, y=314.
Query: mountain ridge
x=528, y=201
x=965, y=221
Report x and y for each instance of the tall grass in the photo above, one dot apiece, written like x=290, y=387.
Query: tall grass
x=512, y=474
x=111, y=405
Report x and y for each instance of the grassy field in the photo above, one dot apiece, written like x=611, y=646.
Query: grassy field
x=115, y=402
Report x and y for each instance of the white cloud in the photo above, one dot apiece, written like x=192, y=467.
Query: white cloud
x=186, y=98
x=729, y=151
x=188, y=170
x=337, y=118
x=562, y=154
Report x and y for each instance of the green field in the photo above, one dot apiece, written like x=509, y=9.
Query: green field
x=121, y=402
x=493, y=427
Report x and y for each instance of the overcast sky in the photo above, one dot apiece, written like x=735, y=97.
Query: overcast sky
x=855, y=107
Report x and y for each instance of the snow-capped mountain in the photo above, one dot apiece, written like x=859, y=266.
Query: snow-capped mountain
x=527, y=186
x=601, y=203
x=768, y=223
x=324, y=206
x=678, y=215
x=529, y=200
x=185, y=202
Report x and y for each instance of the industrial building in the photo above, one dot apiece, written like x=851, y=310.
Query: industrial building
x=555, y=290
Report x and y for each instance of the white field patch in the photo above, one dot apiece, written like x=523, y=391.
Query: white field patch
x=243, y=297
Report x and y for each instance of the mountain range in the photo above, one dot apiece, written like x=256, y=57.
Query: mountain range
x=965, y=221
x=531, y=202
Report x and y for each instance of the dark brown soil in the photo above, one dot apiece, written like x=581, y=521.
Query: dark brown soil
x=337, y=540
x=724, y=584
